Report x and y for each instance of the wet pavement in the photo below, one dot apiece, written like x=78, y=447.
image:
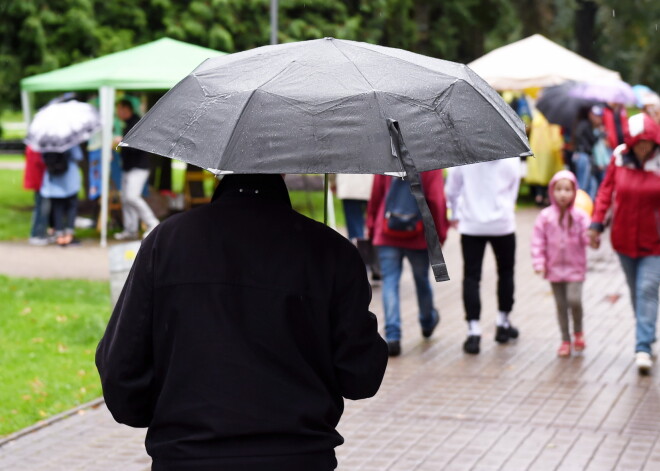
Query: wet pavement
x=512, y=407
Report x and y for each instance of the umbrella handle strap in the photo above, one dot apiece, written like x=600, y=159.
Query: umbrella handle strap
x=438, y=264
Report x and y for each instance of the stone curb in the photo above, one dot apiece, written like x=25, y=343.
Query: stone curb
x=50, y=421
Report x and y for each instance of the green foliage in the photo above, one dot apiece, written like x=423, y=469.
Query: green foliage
x=635, y=24
x=49, y=330
x=42, y=35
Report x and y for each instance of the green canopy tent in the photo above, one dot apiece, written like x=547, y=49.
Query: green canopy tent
x=157, y=65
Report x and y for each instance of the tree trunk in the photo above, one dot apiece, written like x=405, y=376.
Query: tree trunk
x=585, y=20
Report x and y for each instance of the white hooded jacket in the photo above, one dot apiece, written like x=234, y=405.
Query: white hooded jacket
x=483, y=197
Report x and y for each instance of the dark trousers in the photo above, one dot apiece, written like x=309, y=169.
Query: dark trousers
x=64, y=213
x=473, y=248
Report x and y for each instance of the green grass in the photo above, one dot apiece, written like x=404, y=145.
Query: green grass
x=11, y=124
x=49, y=330
x=15, y=206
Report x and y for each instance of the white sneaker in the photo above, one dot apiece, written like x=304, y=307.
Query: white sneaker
x=125, y=235
x=644, y=362
x=39, y=241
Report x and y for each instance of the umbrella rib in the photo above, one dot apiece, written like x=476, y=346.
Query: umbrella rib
x=373, y=89
x=356, y=44
x=246, y=104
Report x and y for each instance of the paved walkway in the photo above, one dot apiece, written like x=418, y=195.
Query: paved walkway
x=512, y=407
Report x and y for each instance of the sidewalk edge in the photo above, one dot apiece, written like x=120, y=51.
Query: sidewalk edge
x=50, y=421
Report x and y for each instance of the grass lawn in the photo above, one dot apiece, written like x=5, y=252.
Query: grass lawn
x=49, y=330
x=15, y=206
x=12, y=125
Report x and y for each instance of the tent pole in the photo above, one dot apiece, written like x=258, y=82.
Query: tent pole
x=107, y=101
x=26, y=105
x=328, y=204
x=273, y=21
x=325, y=199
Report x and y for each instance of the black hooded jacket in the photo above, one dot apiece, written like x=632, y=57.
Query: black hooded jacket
x=240, y=328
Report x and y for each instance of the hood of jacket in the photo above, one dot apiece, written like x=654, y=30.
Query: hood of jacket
x=264, y=186
x=641, y=127
x=559, y=176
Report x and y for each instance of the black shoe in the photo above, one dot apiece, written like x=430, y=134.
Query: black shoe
x=471, y=344
x=393, y=348
x=426, y=333
x=503, y=334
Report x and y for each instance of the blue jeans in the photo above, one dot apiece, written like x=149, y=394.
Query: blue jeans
x=40, y=216
x=391, y=265
x=643, y=277
x=586, y=179
x=354, y=214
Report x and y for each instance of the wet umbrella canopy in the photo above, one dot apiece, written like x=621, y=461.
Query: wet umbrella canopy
x=321, y=106
x=333, y=106
x=559, y=106
x=60, y=126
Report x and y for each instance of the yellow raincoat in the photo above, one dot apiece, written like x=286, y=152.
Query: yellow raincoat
x=546, y=142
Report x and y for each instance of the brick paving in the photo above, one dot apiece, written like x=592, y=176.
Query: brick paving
x=513, y=407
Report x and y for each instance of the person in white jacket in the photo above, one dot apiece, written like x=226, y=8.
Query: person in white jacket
x=482, y=199
x=354, y=191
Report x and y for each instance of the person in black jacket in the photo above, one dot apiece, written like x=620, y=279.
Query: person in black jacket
x=135, y=173
x=241, y=327
x=585, y=135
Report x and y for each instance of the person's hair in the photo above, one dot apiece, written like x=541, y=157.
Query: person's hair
x=126, y=103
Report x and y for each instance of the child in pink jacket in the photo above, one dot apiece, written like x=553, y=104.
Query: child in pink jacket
x=559, y=253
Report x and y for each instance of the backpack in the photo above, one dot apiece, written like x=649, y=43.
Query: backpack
x=403, y=218
x=57, y=163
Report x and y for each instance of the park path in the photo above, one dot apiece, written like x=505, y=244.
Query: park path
x=513, y=407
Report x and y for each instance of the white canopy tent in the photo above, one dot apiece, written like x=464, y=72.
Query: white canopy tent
x=536, y=62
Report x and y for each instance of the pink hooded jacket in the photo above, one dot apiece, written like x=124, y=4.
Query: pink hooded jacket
x=561, y=250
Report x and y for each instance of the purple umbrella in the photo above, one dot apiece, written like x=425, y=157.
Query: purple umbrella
x=608, y=91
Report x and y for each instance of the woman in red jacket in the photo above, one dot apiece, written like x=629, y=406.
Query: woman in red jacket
x=632, y=188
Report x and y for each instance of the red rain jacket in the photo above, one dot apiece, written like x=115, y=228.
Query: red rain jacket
x=34, y=170
x=434, y=190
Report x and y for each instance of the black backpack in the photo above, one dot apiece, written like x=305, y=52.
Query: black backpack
x=57, y=163
x=403, y=218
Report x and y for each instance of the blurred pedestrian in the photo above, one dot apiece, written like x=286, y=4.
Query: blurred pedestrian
x=32, y=180
x=588, y=130
x=135, y=172
x=354, y=191
x=482, y=200
x=393, y=247
x=61, y=184
x=632, y=190
x=241, y=328
x=615, y=121
x=546, y=142
x=559, y=246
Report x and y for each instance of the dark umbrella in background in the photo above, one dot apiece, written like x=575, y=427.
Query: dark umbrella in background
x=559, y=106
x=606, y=91
x=333, y=106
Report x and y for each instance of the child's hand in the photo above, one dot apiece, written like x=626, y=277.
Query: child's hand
x=594, y=238
x=453, y=223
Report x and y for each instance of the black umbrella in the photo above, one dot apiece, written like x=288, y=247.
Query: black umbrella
x=559, y=106
x=332, y=106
